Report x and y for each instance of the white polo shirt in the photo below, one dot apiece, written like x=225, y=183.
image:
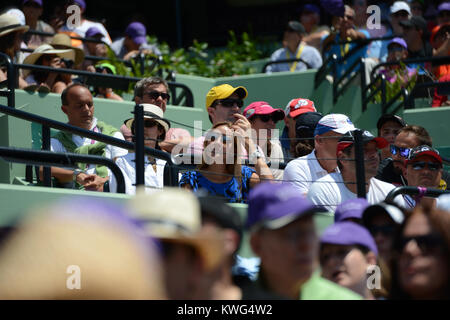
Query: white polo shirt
x=154, y=181
x=330, y=191
x=303, y=171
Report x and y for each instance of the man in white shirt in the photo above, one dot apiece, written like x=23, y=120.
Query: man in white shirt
x=335, y=188
x=78, y=105
x=155, y=130
x=302, y=172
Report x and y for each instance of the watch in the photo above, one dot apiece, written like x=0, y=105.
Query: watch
x=255, y=156
x=76, y=172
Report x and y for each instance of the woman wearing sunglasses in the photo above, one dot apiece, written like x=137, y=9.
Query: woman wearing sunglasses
x=421, y=267
x=155, y=129
x=263, y=119
x=220, y=173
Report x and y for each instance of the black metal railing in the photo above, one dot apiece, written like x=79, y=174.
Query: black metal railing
x=410, y=103
x=63, y=160
x=414, y=191
x=49, y=123
x=10, y=83
x=96, y=80
x=266, y=65
x=49, y=34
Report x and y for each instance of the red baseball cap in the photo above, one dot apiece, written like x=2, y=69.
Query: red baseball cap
x=261, y=108
x=296, y=107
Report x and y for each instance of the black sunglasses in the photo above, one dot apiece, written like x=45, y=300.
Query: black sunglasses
x=229, y=103
x=386, y=230
x=150, y=123
x=267, y=118
x=404, y=152
x=156, y=94
x=426, y=243
x=419, y=165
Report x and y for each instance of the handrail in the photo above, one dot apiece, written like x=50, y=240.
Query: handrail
x=409, y=104
x=49, y=34
x=58, y=159
x=83, y=132
x=110, y=81
x=436, y=61
x=403, y=92
x=382, y=88
x=413, y=191
x=308, y=66
x=324, y=70
x=360, y=62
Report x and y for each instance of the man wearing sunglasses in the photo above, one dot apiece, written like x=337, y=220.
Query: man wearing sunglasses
x=224, y=103
x=424, y=169
x=392, y=169
x=155, y=90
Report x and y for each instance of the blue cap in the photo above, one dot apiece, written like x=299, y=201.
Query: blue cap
x=349, y=209
x=348, y=233
x=137, y=32
x=333, y=7
x=275, y=205
x=311, y=8
x=80, y=3
x=92, y=32
x=39, y=2
x=398, y=41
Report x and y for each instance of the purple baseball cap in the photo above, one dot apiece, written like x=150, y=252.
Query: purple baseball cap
x=333, y=7
x=80, y=3
x=92, y=32
x=398, y=41
x=352, y=208
x=39, y=2
x=274, y=205
x=311, y=8
x=445, y=6
x=348, y=233
x=137, y=32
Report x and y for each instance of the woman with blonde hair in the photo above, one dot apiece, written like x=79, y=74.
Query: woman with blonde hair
x=220, y=173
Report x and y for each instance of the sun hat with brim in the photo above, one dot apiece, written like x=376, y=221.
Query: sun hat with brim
x=10, y=23
x=262, y=108
x=154, y=112
x=348, y=233
x=174, y=215
x=391, y=210
x=46, y=49
x=222, y=92
x=63, y=41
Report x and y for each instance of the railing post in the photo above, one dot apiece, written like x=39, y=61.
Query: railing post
x=335, y=79
x=383, y=93
x=362, y=67
x=139, y=144
x=359, y=159
x=47, y=171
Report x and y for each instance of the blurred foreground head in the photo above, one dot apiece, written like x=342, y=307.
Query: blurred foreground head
x=83, y=244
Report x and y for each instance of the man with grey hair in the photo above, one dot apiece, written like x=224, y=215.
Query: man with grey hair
x=155, y=90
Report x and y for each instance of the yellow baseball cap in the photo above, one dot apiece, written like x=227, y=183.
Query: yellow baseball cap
x=222, y=92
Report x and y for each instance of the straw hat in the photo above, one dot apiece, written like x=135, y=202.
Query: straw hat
x=63, y=41
x=9, y=23
x=47, y=49
x=152, y=112
x=115, y=260
x=174, y=215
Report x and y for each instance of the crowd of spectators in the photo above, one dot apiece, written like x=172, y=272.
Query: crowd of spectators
x=183, y=243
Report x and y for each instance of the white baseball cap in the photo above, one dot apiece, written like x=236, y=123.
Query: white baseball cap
x=399, y=6
x=335, y=122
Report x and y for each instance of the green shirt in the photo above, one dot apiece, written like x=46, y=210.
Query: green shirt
x=318, y=288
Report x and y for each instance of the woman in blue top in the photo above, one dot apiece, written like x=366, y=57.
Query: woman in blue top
x=220, y=173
